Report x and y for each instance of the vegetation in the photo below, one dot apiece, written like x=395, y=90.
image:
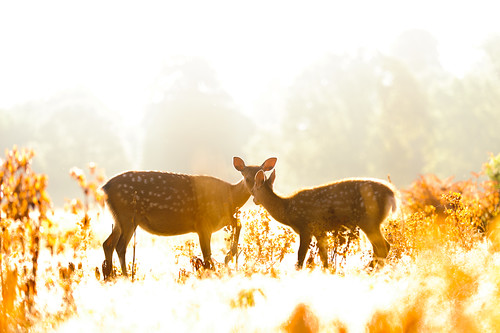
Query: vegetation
x=442, y=273
x=22, y=194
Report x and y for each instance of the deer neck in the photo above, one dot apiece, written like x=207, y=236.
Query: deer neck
x=240, y=193
x=273, y=203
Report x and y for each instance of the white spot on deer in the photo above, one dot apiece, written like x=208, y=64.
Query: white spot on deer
x=139, y=178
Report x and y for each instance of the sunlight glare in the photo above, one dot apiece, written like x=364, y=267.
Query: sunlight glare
x=116, y=49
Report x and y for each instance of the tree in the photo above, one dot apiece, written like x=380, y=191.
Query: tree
x=327, y=121
x=193, y=125
x=353, y=115
x=70, y=129
x=465, y=116
x=404, y=126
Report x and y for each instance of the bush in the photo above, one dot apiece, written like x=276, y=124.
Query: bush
x=264, y=245
x=24, y=206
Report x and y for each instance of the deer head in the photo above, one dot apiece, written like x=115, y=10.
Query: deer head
x=249, y=172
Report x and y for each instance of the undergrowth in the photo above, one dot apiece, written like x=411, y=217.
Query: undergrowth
x=446, y=238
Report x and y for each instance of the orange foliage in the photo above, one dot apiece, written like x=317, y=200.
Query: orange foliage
x=91, y=188
x=24, y=205
x=263, y=247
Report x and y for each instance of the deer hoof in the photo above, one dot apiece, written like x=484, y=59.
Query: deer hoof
x=209, y=265
x=106, y=270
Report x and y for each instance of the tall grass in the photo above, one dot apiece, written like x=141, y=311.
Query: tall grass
x=442, y=275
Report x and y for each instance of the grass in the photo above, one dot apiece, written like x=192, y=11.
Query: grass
x=439, y=289
x=442, y=275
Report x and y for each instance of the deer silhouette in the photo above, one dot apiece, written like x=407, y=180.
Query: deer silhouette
x=352, y=202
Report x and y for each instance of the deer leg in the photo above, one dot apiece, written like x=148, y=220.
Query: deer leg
x=305, y=240
x=205, y=237
x=234, y=242
x=380, y=245
x=121, y=247
x=109, y=245
x=323, y=248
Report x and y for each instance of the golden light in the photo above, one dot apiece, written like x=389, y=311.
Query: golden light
x=115, y=49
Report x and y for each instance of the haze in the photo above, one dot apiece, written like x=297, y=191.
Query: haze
x=332, y=88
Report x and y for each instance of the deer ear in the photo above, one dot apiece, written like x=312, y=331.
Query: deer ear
x=259, y=178
x=269, y=164
x=238, y=163
x=272, y=177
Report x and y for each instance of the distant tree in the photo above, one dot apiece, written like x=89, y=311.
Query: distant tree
x=374, y=114
x=327, y=121
x=468, y=122
x=464, y=112
x=193, y=125
x=70, y=129
x=353, y=115
x=404, y=126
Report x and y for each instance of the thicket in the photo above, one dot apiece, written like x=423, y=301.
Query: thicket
x=446, y=213
x=435, y=213
x=27, y=229
x=24, y=223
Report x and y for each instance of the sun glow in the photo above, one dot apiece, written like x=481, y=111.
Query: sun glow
x=116, y=49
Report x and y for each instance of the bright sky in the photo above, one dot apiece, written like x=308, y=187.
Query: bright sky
x=115, y=48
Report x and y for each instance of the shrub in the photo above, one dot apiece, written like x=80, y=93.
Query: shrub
x=91, y=187
x=263, y=245
x=24, y=206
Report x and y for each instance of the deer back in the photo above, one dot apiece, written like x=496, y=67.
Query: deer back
x=346, y=201
x=168, y=203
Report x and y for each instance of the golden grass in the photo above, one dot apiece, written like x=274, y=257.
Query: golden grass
x=442, y=275
x=440, y=289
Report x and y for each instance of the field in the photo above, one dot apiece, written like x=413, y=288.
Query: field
x=442, y=275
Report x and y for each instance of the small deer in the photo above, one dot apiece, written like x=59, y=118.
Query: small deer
x=168, y=204
x=352, y=202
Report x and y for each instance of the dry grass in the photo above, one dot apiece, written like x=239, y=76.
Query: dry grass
x=443, y=274
x=437, y=289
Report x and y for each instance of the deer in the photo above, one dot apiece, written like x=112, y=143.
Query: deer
x=352, y=202
x=168, y=204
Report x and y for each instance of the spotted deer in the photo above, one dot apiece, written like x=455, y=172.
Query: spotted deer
x=351, y=202
x=168, y=204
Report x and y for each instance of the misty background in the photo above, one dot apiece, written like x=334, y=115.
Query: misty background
x=333, y=90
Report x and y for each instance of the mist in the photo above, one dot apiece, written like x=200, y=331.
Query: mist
x=363, y=110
